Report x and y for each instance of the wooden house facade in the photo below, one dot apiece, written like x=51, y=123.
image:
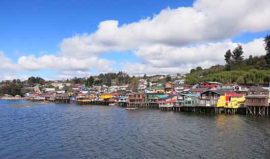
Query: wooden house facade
x=257, y=101
x=136, y=98
x=257, y=96
x=167, y=103
x=210, y=97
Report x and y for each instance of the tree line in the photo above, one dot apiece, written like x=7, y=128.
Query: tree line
x=17, y=87
x=252, y=70
x=108, y=79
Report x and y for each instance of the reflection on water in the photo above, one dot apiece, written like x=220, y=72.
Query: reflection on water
x=70, y=131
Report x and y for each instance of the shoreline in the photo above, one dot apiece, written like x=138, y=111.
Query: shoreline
x=11, y=98
x=188, y=109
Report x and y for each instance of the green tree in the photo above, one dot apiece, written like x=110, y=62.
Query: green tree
x=267, y=48
x=134, y=83
x=89, y=81
x=168, y=78
x=199, y=68
x=13, y=87
x=35, y=80
x=228, y=59
x=249, y=61
x=144, y=76
x=192, y=71
x=237, y=54
x=77, y=80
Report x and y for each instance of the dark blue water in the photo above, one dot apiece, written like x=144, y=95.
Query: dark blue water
x=29, y=130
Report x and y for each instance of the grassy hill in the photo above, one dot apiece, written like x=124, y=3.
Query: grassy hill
x=253, y=70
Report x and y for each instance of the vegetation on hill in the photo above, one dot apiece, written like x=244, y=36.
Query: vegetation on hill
x=252, y=70
x=108, y=79
x=14, y=87
x=35, y=80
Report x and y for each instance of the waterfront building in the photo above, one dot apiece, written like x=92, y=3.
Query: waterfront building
x=154, y=97
x=231, y=100
x=105, y=96
x=167, y=103
x=210, y=97
x=62, y=98
x=257, y=96
x=123, y=98
x=188, y=100
x=136, y=98
x=257, y=101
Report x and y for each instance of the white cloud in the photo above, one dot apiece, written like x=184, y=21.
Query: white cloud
x=170, y=59
x=254, y=48
x=205, y=21
x=62, y=63
x=233, y=17
x=7, y=68
x=6, y=63
x=164, y=55
x=142, y=68
x=174, y=40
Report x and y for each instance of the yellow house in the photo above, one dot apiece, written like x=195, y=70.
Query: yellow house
x=106, y=96
x=221, y=101
x=235, y=102
x=231, y=100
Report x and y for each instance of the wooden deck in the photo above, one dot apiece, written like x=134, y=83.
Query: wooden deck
x=146, y=105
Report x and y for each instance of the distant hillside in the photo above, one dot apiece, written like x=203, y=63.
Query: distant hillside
x=253, y=70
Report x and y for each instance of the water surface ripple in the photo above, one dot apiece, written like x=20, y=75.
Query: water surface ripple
x=49, y=131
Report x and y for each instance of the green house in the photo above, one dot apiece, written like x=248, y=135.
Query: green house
x=153, y=97
x=187, y=100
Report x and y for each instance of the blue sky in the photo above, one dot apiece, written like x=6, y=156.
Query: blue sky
x=32, y=30
x=38, y=26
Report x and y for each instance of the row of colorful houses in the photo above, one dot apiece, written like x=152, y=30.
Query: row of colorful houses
x=255, y=96
x=206, y=94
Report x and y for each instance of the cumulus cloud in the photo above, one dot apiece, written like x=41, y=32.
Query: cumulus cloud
x=169, y=59
x=254, y=48
x=231, y=17
x=142, y=68
x=171, y=41
x=165, y=56
x=205, y=21
x=61, y=63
